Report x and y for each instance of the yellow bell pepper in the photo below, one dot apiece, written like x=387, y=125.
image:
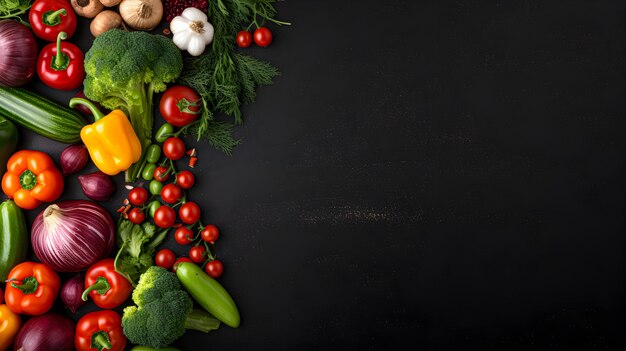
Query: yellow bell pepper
x=10, y=323
x=111, y=140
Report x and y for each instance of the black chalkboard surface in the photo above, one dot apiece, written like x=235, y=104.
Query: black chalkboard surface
x=440, y=175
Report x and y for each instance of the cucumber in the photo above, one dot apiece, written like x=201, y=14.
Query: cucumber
x=13, y=237
x=41, y=115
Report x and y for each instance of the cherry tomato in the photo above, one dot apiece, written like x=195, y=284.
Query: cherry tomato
x=197, y=253
x=160, y=174
x=165, y=258
x=185, y=179
x=183, y=235
x=171, y=193
x=263, y=36
x=210, y=233
x=138, y=196
x=244, y=39
x=189, y=213
x=136, y=216
x=214, y=268
x=180, y=105
x=164, y=217
x=174, y=148
x=179, y=261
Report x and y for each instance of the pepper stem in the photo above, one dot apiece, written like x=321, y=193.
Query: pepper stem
x=184, y=106
x=29, y=285
x=97, y=114
x=60, y=60
x=100, y=340
x=101, y=286
x=51, y=18
x=28, y=180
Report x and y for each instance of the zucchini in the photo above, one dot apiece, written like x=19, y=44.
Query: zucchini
x=41, y=115
x=13, y=237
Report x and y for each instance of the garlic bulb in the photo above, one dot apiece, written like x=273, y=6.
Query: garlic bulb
x=192, y=31
x=141, y=14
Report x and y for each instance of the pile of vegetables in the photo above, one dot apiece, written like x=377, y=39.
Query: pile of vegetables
x=84, y=255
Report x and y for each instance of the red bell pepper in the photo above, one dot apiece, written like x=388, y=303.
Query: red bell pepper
x=107, y=288
x=100, y=330
x=60, y=65
x=51, y=17
x=31, y=288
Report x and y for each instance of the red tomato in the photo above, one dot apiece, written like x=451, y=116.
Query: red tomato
x=214, y=268
x=197, y=253
x=263, y=36
x=165, y=258
x=189, y=212
x=181, y=260
x=174, y=148
x=171, y=193
x=138, y=196
x=160, y=174
x=180, y=105
x=136, y=216
x=244, y=39
x=164, y=217
x=185, y=179
x=183, y=235
x=210, y=233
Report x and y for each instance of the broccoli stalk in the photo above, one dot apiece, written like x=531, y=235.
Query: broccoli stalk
x=163, y=311
x=123, y=70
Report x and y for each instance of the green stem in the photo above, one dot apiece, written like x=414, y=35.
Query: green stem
x=52, y=18
x=29, y=285
x=100, y=340
x=97, y=114
x=61, y=61
x=101, y=286
x=28, y=180
x=201, y=321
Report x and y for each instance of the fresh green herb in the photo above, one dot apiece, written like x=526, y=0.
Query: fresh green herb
x=136, y=245
x=14, y=8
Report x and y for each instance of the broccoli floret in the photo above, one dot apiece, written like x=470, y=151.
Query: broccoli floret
x=124, y=69
x=163, y=311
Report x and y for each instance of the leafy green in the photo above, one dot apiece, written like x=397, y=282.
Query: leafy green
x=136, y=245
x=14, y=8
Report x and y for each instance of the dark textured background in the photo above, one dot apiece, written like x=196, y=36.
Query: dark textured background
x=443, y=175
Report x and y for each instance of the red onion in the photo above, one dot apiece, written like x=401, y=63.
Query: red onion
x=18, y=54
x=72, y=235
x=97, y=186
x=74, y=158
x=71, y=293
x=50, y=332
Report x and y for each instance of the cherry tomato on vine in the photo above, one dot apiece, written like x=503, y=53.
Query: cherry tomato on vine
x=189, y=212
x=210, y=233
x=183, y=235
x=244, y=39
x=164, y=217
x=161, y=174
x=138, y=196
x=180, y=105
x=136, y=216
x=165, y=258
x=171, y=193
x=262, y=36
x=185, y=179
x=214, y=268
x=179, y=261
x=197, y=253
x=174, y=148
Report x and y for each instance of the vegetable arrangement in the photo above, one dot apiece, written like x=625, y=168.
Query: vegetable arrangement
x=203, y=77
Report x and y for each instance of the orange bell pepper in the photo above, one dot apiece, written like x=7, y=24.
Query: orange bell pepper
x=31, y=288
x=32, y=178
x=9, y=326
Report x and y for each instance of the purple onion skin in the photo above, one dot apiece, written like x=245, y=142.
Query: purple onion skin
x=49, y=332
x=71, y=293
x=70, y=236
x=97, y=186
x=74, y=158
x=18, y=54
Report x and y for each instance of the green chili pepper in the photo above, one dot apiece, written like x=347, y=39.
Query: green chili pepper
x=148, y=171
x=155, y=187
x=209, y=293
x=153, y=154
x=164, y=132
